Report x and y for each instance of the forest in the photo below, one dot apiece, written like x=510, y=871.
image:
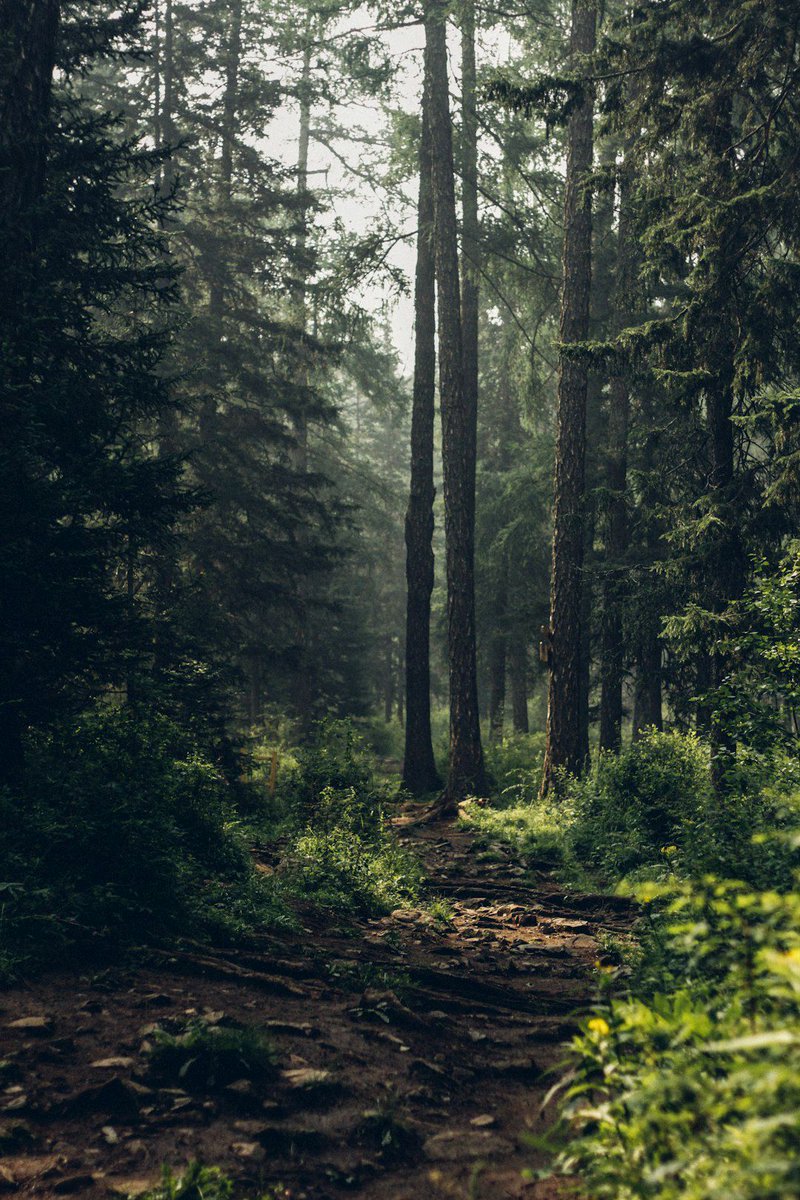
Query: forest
x=400, y=599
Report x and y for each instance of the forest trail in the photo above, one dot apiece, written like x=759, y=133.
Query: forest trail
x=411, y=1058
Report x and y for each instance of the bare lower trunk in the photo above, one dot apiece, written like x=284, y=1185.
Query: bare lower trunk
x=419, y=768
x=647, y=705
x=564, y=749
x=466, y=769
x=615, y=579
x=497, y=664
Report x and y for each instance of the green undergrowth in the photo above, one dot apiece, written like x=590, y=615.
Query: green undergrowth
x=121, y=831
x=201, y=1056
x=340, y=854
x=649, y=813
x=683, y=1083
x=198, y=1182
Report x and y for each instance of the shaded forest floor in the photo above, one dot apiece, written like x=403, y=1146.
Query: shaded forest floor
x=410, y=1056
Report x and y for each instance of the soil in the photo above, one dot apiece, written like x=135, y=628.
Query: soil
x=412, y=1057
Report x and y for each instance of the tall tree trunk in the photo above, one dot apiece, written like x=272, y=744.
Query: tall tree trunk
x=647, y=712
x=303, y=690
x=230, y=103
x=497, y=660
x=518, y=678
x=470, y=236
x=466, y=774
x=726, y=568
x=614, y=582
x=564, y=750
x=587, y=606
x=388, y=677
x=419, y=767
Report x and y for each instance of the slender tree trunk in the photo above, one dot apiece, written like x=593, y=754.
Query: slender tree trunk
x=614, y=582
x=497, y=665
x=564, y=750
x=518, y=678
x=587, y=605
x=647, y=712
x=470, y=237
x=726, y=567
x=419, y=767
x=466, y=768
x=230, y=103
x=388, y=678
x=304, y=680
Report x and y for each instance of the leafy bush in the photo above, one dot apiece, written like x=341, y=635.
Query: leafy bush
x=342, y=870
x=535, y=829
x=342, y=856
x=335, y=763
x=117, y=828
x=692, y=1092
x=630, y=806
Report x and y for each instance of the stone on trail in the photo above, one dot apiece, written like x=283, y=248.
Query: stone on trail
x=249, y=1150
x=456, y=1144
x=37, y=1026
x=122, y=1063
x=307, y=1077
x=20, y=1169
x=116, y=1097
x=132, y=1187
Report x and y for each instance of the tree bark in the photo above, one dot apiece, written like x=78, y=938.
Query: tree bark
x=647, y=712
x=303, y=691
x=726, y=568
x=614, y=582
x=470, y=236
x=466, y=774
x=497, y=674
x=419, y=767
x=564, y=751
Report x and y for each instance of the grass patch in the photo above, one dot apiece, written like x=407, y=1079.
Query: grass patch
x=204, y=1057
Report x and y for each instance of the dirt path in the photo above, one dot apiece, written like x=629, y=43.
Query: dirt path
x=410, y=1058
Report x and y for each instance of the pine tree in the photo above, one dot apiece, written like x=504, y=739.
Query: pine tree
x=86, y=497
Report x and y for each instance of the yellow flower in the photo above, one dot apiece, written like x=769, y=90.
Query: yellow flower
x=599, y=1026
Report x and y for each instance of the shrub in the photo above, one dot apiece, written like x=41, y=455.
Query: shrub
x=336, y=763
x=692, y=1092
x=630, y=806
x=203, y=1057
x=116, y=828
x=342, y=870
x=196, y=1183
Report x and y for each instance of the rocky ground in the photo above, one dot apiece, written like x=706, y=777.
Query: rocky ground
x=410, y=1059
